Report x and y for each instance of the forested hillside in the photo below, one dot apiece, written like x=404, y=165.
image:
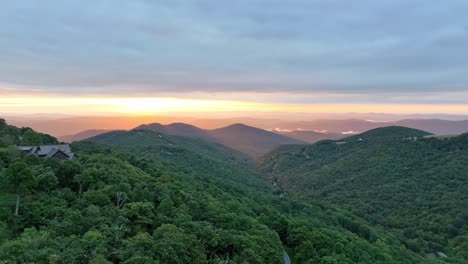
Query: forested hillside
x=393, y=177
x=179, y=129
x=249, y=140
x=187, y=154
x=120, y=204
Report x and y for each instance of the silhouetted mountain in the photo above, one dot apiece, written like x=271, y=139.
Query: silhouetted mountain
x=310, y=136
x=73, y=125
x=178, y=129
x=251, y=140
x=358, y=124
x=83, y=135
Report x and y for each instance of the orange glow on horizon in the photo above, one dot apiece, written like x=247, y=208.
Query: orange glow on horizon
x=168, y=105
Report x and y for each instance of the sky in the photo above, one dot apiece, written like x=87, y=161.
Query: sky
x=142, y=56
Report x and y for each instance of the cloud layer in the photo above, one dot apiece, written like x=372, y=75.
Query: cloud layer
x=364, y=49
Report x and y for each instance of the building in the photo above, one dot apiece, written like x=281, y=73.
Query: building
x=62, y=151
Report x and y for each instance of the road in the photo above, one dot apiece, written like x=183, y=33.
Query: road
x=287, y=260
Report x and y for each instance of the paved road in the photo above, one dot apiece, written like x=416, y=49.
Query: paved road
x=287, y=260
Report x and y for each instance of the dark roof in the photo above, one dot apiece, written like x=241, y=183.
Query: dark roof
x=48, y=151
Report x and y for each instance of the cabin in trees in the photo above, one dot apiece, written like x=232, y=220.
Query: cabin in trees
x=62, y=151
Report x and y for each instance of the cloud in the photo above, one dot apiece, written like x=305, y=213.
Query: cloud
x=407, y=48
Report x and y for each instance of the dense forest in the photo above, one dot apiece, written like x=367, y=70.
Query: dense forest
x=400, y=179
x=120, y=203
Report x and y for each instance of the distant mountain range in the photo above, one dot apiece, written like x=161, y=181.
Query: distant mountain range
x=249, y=140
x=256, y=141
x=310, y=136
x=178, y=129
x=435, y=126
x=65, y=126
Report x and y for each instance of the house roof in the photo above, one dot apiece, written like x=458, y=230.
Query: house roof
x=48, y=151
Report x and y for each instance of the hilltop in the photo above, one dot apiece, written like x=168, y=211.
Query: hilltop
x=178, y=129
x=251, y=140
x=393, y=177
x=389, y=133
x=246, y=139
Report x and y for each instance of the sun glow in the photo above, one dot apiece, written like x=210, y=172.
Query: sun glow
x=131, y=106
x=155, y=105
x=172, y=105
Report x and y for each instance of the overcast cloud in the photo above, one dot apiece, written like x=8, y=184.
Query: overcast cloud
x=395, y=48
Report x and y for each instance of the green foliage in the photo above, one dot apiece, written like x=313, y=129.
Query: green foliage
x=125, y=204
x=412, y=186
x=18, y=177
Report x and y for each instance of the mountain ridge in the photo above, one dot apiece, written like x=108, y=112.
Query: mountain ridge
x=247, y=139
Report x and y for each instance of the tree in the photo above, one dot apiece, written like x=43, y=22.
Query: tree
x=44, y=178
x=139, y=212
x=19, y=177
x=173, y=245
x=83, y=179
x=94, y=245
x=3, y=232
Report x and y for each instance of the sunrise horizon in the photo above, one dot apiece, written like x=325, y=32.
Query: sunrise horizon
x=135, y=105
x=234, y=132
x=143, y=58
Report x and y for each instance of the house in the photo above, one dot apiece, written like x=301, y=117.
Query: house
x=62, y=151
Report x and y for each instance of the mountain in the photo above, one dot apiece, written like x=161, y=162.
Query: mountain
x=169, y=147
x=59, y=126
x=72, y=125
x=251, y=140
x=435, y=126
x=394, y=177
x=389, y=133
x=145, y=197
x=178, y=129
x=231, y=180
x=82, y=135
x=310, y=136
x=187, y=154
